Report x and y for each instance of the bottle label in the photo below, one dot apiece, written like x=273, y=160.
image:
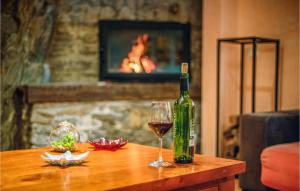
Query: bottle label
x=192, y=142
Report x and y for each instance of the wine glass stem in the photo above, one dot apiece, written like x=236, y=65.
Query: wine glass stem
x=160, y=158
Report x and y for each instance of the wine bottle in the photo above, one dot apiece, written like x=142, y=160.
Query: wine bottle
x=183, y=131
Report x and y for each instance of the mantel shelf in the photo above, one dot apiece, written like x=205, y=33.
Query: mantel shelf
x=102, y=92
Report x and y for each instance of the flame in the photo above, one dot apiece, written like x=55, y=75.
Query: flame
x=137, y=61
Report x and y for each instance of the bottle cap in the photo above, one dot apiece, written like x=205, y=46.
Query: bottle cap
x=184, y=68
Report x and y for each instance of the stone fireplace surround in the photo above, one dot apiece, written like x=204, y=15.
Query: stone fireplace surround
x=56, y=43
x=100, y=110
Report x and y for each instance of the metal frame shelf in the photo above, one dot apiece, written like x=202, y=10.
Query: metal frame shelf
x=243, y=41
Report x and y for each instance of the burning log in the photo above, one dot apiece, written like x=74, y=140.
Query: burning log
x=137, y=61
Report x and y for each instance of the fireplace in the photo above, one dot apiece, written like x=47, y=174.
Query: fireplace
x=142, y=50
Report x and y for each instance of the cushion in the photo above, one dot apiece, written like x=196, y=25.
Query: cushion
x=280, y=166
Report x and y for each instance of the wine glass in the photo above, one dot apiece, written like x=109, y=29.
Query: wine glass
x=160, y=123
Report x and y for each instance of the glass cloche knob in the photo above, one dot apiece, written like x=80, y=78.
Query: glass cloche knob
x=64, y=137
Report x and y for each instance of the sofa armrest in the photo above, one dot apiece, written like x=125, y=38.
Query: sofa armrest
x=260, y=130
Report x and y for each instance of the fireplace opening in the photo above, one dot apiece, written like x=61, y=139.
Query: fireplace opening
x=143, y=50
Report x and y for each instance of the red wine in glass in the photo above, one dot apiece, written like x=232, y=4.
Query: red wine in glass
x=160, y=128
x=160, y=122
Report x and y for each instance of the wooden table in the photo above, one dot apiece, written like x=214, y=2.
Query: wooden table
x=124, y=169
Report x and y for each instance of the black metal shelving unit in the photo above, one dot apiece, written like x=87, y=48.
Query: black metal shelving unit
x=243, y=41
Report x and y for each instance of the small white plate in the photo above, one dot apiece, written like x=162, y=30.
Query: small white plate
x=65, y=159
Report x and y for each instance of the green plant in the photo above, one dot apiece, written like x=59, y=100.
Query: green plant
x=68, y=142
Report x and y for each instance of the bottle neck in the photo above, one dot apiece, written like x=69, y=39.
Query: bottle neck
x=184, y=84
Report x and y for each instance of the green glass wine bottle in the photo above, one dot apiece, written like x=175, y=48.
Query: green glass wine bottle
x=183, y=131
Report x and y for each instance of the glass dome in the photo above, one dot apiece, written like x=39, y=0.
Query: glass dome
x=64, y=137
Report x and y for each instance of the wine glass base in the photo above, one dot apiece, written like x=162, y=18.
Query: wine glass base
x=160, y=164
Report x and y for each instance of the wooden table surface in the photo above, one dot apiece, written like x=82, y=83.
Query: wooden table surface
x=124, y=169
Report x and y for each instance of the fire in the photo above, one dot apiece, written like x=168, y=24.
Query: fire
x=137, y=61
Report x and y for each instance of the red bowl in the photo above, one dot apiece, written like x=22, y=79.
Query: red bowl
x=106, y=144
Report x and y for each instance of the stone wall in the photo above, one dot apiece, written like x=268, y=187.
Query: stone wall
x=110, y=119
x=49, y=41
x=26, y=30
